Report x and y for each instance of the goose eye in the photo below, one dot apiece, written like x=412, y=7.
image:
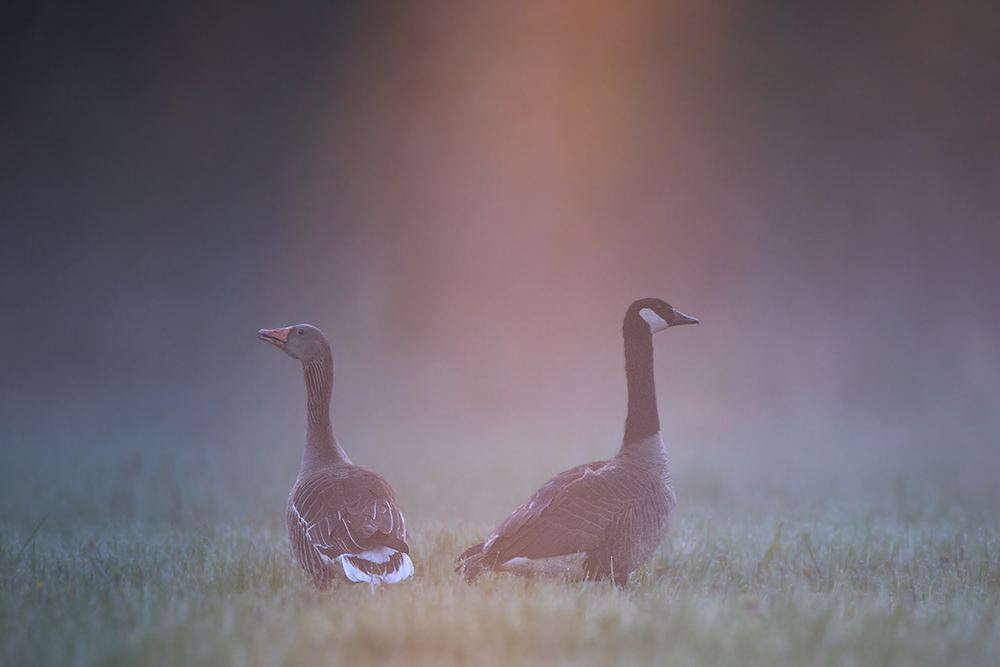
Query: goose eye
x=302, y=332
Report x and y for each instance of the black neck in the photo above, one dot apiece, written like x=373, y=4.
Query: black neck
x=321, y=445
x=643, y=420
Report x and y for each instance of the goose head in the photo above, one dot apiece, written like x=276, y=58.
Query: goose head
x=301, y=341
x=657, y=315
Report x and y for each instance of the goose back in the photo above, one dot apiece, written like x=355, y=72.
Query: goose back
x=609, y=515
x=344, y=522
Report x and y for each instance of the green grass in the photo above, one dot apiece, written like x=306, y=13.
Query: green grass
x=826, y=590
x=875, y=552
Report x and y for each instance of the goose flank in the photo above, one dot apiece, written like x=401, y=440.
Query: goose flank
x=343, y=520
x=603, y=519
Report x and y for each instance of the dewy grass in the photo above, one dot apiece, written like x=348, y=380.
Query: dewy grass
x=831, y=556
x=722, y=590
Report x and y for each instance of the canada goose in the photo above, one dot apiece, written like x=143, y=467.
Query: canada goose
x=343, y=520
x=604, y=519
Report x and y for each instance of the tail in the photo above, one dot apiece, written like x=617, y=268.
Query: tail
x=470, y=552
x=370, y=567
x=474, y=561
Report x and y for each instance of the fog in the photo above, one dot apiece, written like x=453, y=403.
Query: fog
x=466, y=197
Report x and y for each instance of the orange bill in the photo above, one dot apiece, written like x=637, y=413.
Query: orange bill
x=277, y=337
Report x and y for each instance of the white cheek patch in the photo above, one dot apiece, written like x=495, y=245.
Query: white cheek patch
x=655, y=322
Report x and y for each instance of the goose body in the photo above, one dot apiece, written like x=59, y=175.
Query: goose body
x=343, y=520
x=600, y=520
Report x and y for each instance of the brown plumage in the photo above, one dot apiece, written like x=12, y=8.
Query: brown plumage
x=343, y=520
x=603, y=519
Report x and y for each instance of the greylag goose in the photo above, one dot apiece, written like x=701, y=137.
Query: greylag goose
x=603, y=519
x=343, y=520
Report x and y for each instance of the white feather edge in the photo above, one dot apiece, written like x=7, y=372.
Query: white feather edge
x=379, y=555
x=376, y=556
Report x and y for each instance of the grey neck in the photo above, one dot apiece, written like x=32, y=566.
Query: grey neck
x=321, y=445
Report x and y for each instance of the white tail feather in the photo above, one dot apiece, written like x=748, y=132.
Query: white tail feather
x=376, y=556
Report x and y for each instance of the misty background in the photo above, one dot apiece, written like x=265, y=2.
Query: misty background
x=466, y=197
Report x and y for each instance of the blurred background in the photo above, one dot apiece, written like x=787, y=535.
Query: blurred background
x=466, y=197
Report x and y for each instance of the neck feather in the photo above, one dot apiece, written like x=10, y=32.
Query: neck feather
x=643, y=420
x=321, y=445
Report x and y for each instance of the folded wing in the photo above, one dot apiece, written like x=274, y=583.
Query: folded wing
x=350, y=515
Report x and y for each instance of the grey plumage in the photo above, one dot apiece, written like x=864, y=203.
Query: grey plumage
x=616, y=512
x=343, y=520
x=344, y=510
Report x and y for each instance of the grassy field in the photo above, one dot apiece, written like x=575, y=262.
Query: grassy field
x=769, y=571
x=831, y=590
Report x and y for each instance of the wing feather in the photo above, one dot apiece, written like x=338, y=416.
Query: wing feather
x=570, y=513
x=349, y=511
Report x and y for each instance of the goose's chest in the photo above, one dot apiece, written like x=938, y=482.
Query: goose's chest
x=645, y=522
